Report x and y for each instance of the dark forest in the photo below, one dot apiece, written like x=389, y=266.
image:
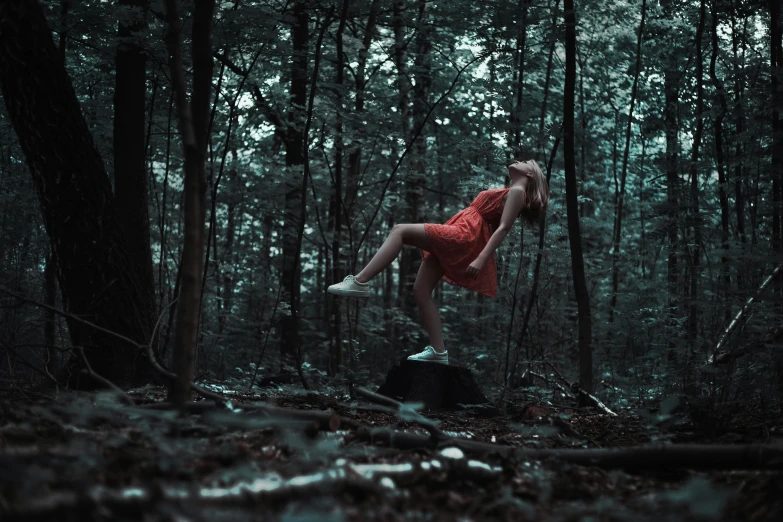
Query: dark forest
x=181, y=181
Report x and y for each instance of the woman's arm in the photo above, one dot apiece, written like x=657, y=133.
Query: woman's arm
x=515, y=200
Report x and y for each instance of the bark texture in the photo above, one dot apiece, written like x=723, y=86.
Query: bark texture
x=130, y=173
x=97, y=279
x=294, y=159
x=193, y=120
x=585, y=324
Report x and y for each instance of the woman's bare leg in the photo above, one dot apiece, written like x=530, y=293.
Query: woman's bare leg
x=399, y=235
x=430, y=272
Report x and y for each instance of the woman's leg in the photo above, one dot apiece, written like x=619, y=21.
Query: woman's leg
x=399, y=235
x=430, y=272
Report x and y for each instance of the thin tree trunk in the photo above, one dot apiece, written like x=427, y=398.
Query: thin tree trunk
x=400, y=61
x=548, y=77
x=618, y=218
x=97, y=280
x=163, y=211
x=306, y=175
x=584, y=206
x=193, y=119
x=643, y=242
x=403, y=99
x=671, y=79
x=719, y=158
x=234, y=193
x=572, y=204
x=695, y=272
x=740, y=168
x=354, y=158
x=417, y=177
x=336, y=204
x=289, y=324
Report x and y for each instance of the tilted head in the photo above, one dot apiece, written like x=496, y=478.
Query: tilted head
x=536, y=188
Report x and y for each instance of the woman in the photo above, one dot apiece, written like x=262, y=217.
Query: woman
x=460, y=251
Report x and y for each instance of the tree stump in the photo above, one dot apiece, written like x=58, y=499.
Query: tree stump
x=438, y=386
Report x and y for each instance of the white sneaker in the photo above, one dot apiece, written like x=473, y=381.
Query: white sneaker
x=350, y=287
x=430, y=355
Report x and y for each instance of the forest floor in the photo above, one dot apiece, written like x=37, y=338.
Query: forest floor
x=86, y=456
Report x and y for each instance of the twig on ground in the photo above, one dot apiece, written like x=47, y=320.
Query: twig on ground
x=397, y=408
x=589, y=397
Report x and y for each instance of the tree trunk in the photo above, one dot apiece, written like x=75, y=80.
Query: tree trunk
x=695, y=271
x=618, y=218
x=740, y=171
x=97, y=279
x=403, y=100
x=336, y=204
x=354, y=158
x=417, y=177
x=719, y=159
x=294, y=159
x=130, y=173
x=193, y=119
x=572, y=204
x=671, y=79
x=234, y=196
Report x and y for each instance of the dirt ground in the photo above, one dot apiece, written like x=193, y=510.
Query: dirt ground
x=85, y=456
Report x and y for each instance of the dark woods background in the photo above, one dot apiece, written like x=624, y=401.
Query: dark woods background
x=326, y=123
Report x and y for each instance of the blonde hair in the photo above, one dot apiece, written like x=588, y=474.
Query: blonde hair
x=536, y=196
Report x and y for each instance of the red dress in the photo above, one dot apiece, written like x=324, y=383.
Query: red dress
x=458, y=242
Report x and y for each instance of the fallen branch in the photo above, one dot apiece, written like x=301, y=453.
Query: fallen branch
x=399, y=409
x=651, y=457
x=124, y=397
x=718, y=357
x=593, y=400
x=544, y=378
x=574, y=387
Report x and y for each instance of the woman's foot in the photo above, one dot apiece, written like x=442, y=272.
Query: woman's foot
x=430, y=355
x=350, y=287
